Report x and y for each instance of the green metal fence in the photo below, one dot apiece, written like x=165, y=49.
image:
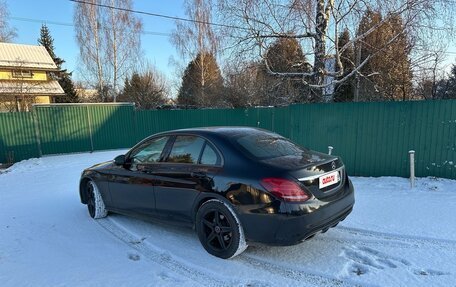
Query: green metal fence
x=17, y=137
x=372, y=138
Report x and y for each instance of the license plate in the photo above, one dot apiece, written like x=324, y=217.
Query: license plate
x=329, y=179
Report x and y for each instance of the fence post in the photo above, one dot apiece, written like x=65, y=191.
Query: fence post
x=37, y=130
x=272, y=119
x=89, y=123
x=412, y=168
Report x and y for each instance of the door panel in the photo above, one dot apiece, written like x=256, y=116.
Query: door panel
x=182, y=177
x=132, y=191
x=177, y=186
x=131, y=185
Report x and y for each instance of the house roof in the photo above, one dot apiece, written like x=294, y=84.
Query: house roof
x=48, y=88
x=25, y=56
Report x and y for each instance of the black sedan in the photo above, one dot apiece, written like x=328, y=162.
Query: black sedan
x=234, y=185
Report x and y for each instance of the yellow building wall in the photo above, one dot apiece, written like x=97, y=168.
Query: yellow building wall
x=22, y=104
x=42, y=100
x=37, y=76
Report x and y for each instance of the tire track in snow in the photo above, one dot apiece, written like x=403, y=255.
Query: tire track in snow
x=365, y=242
x=288, y=273
x=293, y=274
x=160, y=258
x=397, y=238
x=176, y=266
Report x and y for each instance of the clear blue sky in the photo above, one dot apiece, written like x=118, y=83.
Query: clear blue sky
x=158, y=49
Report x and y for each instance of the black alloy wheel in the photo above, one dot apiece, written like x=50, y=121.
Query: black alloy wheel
x=218, y=230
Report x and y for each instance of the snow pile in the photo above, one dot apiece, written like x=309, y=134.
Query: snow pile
x=396, y=236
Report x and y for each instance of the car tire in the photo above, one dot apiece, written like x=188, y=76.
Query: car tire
x=95, y=203
x=219, y=229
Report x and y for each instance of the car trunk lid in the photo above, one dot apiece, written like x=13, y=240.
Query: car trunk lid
x=321, y=174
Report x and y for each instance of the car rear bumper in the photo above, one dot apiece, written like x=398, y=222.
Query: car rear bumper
x=298, y=224
x=296, y=230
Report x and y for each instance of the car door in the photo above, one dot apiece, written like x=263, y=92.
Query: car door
x=131, y=185
x=186, y=171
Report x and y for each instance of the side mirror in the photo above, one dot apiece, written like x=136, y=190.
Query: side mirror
x=119, y=160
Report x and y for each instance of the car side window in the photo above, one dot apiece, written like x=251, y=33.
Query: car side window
x=149, y=152
x=210, y=156
x=186, y=149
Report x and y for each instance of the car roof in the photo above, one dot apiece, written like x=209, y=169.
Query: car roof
x=219, y=130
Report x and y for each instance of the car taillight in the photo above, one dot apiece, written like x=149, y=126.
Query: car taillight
x=285, y=189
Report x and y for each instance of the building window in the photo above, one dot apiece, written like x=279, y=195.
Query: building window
x=22, y=74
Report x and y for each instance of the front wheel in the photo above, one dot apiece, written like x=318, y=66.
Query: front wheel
x=95, y=203
x=219, y=230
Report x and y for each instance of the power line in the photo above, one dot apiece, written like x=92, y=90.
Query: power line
x=159, y=15
x=435, y=51
x=41, y=21
x=66, y=24
x=153, y=33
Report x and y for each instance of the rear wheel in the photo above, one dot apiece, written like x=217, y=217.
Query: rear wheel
x=95, y=203
x=219, y=230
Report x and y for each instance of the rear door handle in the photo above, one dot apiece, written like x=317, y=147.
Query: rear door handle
x=198, y=174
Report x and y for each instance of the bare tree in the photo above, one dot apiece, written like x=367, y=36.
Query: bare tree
x=124, y=41
x=89, y=37
x=109, y=42
x=197, y=39
x=191, y=38
x=148, y=89
x=249, y=85
x=6, y=32
x=254, y=24
x=431, y=81
x=429, y=71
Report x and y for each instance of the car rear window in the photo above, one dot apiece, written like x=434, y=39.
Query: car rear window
x=186, y=149
x=209, y=156
x=265, y=146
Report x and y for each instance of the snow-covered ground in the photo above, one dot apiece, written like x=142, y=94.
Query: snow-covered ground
x=394, y=237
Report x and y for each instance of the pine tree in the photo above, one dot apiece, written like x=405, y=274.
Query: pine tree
x=344, y=91
x=390, y=63
x=285, y=55
x=47, y=41
x=68, y=87
x=64, y=78
x=147, y=90
x=202, y=83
